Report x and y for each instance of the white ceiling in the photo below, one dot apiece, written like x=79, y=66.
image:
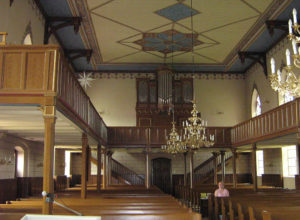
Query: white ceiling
x=27, y=122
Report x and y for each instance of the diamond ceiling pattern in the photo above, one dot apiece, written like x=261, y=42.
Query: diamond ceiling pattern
x=143, y=31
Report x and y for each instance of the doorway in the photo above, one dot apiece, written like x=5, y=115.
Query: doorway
x=161, y=174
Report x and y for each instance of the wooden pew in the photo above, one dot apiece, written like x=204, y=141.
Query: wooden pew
x=116, y=203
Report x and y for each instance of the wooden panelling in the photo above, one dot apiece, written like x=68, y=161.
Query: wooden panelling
x=29, y=186
x=74, y=180
x=42, y=70
x=28, y=69
x=139, y=135
x=297, y=182
x=8, y=190
x=35, y=70
x=60, y=183
x=11, y=73
x=279, y=121
x=272, y=180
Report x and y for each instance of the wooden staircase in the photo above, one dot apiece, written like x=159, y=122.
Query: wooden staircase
x=122, y=174
x=205, y=171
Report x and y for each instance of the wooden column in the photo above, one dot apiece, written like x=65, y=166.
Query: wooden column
x=147, y=173
x=98, y=168
x=104, y=170
x=215, y=155
x=84, y=166
x=191, y=170
x=109, y=154
x=184, y=177
x=49, y=137
x=234, y=179
x=223, y=165
x=254, y=172
x=298, y=150
x=89, y=163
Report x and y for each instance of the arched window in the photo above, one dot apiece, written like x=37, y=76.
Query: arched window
x=19, y=164
x=256, y=103
x=27, y=39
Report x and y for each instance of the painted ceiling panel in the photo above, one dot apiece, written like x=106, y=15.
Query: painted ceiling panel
x=188, y=58
x=215, y=14
x=231, y=35
x=92, y=4
x=124, y=27
x=127, y=31
x=136, y=14
x=109, y=45
x=258, y=5
x=145, y=58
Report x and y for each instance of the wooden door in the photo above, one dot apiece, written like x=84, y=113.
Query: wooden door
x=161, y=174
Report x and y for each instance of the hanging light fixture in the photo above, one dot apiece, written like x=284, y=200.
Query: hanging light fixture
x=174, y=141
x=284, y=80
x=195, y=135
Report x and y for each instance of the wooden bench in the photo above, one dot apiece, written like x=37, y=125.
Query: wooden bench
x=115, y=203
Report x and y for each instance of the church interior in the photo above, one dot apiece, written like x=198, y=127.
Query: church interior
x=139, y=109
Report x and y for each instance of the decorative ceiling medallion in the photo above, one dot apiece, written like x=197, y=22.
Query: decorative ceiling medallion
x=177, y=12
x=168, y=41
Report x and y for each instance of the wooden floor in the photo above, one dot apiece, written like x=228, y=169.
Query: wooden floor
x=118, y=202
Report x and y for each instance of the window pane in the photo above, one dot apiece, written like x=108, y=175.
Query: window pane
x=292, y=162
x=260, y=164
x=292, y=170
x=292, y=153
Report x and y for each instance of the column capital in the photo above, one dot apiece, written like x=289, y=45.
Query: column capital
x=222, y=152
x=254, y=146
x=49, y=111
x=215, y=154
x=233, y=150
x=147, y=150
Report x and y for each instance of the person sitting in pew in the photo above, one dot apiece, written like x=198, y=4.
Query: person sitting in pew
x=221, y=191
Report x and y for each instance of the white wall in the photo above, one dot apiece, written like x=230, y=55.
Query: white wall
x=15, y=19
x=115, y=100
x=221, y=101
x=33, y=156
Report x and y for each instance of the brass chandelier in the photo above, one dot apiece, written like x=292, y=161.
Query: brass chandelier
x=195, y=135
x=285, y=81
x=174, y=141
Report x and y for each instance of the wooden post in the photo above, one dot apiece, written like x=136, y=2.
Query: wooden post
x=254, y=172
x=104, y=169
x=223, y=165
x=98, y=168
x=84, y=166
x=89, y=165
x=147, y=182
x=215, y=155
x=234, y=179
x=49, y=137
x=191, y=169
x=298, y=149
x=109, y=154
x=184, y=177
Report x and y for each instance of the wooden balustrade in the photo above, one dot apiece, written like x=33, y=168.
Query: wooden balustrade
x=128, y=175
x=279, y=121
x=34, y=74
x=140, y=135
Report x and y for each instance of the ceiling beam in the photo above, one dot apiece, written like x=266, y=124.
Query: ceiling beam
x=273, y=24
x=76, y=53
x=259, y=57
x=52, y=24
